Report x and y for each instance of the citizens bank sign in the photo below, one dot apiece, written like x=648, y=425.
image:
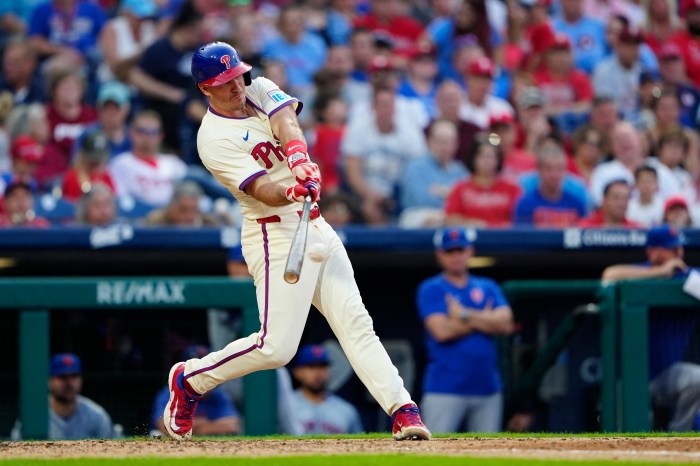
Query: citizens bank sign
x=141, y=292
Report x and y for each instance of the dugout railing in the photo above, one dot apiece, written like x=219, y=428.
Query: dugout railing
x=35, y=298
x=624, y=316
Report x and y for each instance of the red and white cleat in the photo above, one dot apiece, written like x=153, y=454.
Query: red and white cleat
x=178, y=416
x=407, y=424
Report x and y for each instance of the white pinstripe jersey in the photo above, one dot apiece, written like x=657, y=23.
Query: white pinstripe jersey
x=238, y=150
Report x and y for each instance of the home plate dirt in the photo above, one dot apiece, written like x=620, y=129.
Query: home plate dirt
x=661, y=449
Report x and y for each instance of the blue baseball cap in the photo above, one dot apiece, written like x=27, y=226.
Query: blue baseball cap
x=310, y=355
x=664, y=236
x=65, y=364
x=451, y=238
x=114, y=91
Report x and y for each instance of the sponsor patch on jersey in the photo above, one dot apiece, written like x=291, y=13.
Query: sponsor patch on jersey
x=278, y=96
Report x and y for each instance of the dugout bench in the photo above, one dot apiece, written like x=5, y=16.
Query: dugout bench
x=36, y=297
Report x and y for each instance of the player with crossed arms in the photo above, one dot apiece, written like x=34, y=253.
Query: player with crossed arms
x=251, y=141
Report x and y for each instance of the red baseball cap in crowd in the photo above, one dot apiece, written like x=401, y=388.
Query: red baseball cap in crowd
x=381, y=63
x=482, y=66
x=675, y=201
x=560, y=41
x=631, y=35
x=669, y=50
x=504, y=118
x=687, y=5
x=27, y=149
x=424, y=49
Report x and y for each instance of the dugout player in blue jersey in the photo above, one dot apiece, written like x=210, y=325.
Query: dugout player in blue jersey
x=461, y=313
x=674, y=383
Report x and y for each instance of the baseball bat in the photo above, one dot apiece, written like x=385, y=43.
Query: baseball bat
x=298, y=247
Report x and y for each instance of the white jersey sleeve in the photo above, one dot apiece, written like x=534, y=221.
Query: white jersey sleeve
x=270, y=98
x=229, y=162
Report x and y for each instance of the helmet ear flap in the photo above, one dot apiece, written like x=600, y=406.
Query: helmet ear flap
x=247, y=79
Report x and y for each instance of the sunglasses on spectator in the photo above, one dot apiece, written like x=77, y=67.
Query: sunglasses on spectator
x=148, y=131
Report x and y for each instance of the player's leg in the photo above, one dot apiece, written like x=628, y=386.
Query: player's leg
x=442, y=412
x=338, y=299
x=485, y=413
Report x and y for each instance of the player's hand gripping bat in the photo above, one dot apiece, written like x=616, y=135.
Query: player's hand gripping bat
x=298, y=247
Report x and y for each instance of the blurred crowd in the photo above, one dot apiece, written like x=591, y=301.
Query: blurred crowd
x=420, y=113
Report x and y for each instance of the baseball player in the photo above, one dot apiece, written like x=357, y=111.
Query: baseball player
x=250, y=140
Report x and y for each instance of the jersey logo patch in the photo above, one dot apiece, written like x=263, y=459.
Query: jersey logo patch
x=477, y=295
x=277, y=96
x=245, y=138
x=226, y=60
x=264, y=151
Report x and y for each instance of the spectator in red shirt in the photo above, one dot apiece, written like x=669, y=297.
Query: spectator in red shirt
x=386, y=17
x=331, y=114
x=19, y=208
x=612, y=211
x=689, y=40
x=89, y=166
x=566, y=89
x=486, y=199
x=516, y=161
x=68, y=117
x=661, y=22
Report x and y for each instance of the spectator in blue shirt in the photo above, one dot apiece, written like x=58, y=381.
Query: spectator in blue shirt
x=428, y=180
x=587, y=34
x=549, y=205
x=461, y=314
x=19, y=73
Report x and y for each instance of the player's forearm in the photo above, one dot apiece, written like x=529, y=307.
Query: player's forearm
x=623, y=272
x=268, y=192
x=285, y=126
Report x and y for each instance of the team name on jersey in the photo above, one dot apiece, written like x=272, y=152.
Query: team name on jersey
x=265, y=150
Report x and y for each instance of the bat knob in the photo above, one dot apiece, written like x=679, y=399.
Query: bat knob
x=291, y=277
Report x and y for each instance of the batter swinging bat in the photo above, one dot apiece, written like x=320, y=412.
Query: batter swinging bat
x=298, y=247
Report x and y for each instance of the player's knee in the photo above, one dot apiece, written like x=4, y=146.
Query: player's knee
x=280, y=355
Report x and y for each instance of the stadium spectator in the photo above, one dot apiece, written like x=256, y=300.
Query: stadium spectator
x=448, y=97
x=603, y=10
x=672, y=150
x=468, y=24
x=485, y=199
x=19, y=72
x=516, y=46
x=183, y=210
x=688, y=40
x=618, y=76
x=89, y=166
x=363, y=50
x=375, y=154
x=26, y=154
x=18, y=204
x=677, y=213
x=428, y=180
x=615, y=25
x=566, y=90
x=646, y=207
x=461, y=313
x=97, y=207
x=340, y=209
x=67, y=30
x=673, y=384
x=113, y=109
x=516, y=161
x=589, y=146
x=29, y=120
x=71, y=415
x=550, y=205
x=420, y=81
x=386, y=17
x=318, y=410
x=68, y=116
x=673, y=77
x=216, y=414
x=332, y=114
x=613, y=210
x=666, y=108
x=124, y=38
x=604, y=115
x=479, y=105
x=145, y=173
x=162, y=75
x=302, y=52
x=587, y=35
x=627, y=154
x=661, y=22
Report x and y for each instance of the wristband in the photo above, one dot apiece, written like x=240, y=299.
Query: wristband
x=296, y=152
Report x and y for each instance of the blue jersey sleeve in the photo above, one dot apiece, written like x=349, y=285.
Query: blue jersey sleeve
x=495, y=293
x=430, y=299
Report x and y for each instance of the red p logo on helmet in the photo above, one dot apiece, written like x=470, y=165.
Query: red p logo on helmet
x=226, y=60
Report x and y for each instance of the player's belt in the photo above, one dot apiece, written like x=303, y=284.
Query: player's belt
x=315, y=213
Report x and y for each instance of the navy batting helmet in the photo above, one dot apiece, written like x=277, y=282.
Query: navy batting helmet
x=218, y=63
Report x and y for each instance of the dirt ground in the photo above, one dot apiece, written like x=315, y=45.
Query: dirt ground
x=666, y=449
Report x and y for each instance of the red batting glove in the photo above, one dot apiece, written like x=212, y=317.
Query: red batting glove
x=306, y=172
x=298, y=192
